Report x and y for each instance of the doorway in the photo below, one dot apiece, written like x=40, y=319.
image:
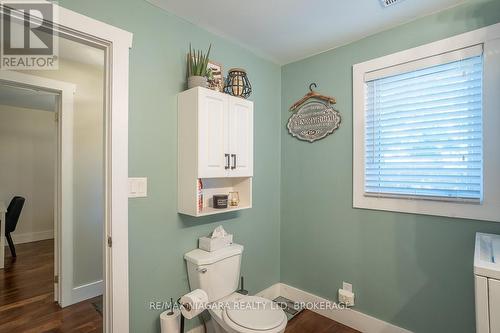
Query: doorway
x=68, y=161
x=115, y=43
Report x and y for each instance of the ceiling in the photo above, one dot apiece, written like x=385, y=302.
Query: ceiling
x=288, y=30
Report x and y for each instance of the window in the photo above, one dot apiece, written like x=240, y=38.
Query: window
x=425, y=123
x=423, y=132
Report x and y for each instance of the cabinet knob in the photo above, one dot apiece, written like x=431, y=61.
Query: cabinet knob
x=226, y=156
x=234, y=161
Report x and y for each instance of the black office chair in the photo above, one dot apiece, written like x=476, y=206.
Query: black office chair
x=11, y=219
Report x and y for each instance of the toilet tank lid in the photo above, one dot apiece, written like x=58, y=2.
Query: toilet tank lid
x=201, y=257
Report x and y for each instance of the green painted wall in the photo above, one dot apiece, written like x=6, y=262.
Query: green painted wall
x=414, y=271
x=158, y=235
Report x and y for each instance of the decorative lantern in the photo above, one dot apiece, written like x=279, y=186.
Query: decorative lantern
x=237, y=83
x=234, y=199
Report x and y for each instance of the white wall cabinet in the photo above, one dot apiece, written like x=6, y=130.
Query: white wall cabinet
x=225, y=132
x=215, y=143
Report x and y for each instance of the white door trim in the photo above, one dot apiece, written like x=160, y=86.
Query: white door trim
x=116, y=43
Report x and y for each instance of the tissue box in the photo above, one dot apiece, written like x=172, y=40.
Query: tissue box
x=214, y=244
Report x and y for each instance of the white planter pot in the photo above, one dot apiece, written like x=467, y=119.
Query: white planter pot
x=197, y=81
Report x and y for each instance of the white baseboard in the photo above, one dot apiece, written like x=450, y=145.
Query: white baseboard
x=32, y=236
x=272, y=292
x=348, y=317
x=87, y=291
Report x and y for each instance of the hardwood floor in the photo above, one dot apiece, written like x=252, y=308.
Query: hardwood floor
x=27, y=296
x=311, y=322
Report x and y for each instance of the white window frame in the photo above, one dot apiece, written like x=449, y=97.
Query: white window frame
x=489, y=208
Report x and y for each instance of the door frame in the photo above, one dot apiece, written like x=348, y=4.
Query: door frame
x=116, y=44
x=63, y=203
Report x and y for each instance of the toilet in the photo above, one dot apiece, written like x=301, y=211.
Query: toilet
x=217, y=273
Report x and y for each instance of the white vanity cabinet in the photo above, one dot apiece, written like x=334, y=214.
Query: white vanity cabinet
x=494, y=300
x=215, y=144
x=487, y=283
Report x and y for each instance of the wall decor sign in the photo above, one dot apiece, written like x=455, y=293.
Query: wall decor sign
x=216, y=80
x=314, y=117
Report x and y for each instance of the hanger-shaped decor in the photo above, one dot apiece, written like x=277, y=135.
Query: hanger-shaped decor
x=312, y=94
x=314, y=117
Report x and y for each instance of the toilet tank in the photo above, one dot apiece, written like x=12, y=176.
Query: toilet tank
x=217, y=272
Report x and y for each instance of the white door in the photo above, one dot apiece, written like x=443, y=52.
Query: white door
x=241, y=137
x=213, y=124
x=494, y=291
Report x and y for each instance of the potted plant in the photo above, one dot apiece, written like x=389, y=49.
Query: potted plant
x=198, y=71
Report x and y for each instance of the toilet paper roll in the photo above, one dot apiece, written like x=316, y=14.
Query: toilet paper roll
x=194, y=303
x=170, y=321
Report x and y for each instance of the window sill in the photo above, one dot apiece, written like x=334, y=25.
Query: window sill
x=486, y=211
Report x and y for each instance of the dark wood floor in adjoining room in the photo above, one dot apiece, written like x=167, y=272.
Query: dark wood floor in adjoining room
x=311, y=322
x=27, y=296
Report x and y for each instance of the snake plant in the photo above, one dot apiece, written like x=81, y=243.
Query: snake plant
x=198, y=62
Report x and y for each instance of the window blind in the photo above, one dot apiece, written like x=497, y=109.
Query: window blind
x=423, y=132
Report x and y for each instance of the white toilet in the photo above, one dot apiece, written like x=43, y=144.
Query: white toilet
x=217, y=273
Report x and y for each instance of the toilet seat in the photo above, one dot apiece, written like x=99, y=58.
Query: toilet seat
x=254, y=314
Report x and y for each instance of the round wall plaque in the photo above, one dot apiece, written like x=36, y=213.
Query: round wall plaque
x=313, y=121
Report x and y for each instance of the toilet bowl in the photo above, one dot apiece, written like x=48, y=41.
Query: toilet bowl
x=217, y=273
x=246, y=314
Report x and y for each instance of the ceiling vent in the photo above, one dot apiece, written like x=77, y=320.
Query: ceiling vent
x=387, y=3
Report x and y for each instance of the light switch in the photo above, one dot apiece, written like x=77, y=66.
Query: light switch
x=138, y=187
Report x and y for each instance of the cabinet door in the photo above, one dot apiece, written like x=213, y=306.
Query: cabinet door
x=241, y=137
x=482, y=306
x=494, y=291
x=213, y=136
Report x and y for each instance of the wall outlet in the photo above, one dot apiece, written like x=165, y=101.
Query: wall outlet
x=347, y=286
x=346, y=297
